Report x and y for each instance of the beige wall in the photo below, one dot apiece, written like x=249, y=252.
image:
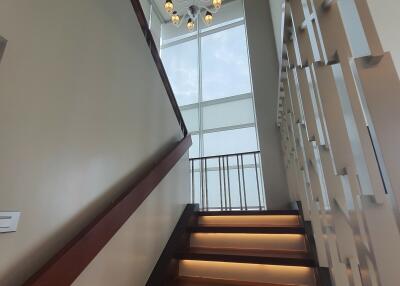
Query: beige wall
x=386, y=17
x=130, y=256
x=82, y=107
x=277, y=8
x=265, y=79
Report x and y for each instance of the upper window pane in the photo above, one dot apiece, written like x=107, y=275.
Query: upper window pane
x=194, y=150
x=230, y=142
x=225, y=66
x=181, y=64
x=227, y=114
x=191, y=117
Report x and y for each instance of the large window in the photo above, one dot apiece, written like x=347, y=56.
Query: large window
x=210, y=75
x=225, y=68
x=181, y=63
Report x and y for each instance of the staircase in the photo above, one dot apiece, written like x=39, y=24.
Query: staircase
x=269, y=248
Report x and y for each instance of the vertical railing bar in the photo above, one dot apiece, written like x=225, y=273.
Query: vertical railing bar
x=262, y=183
x=220, y=180
x=193, y=200
x=206, y=171
x=240, y=188
x=229, y=183
x=258, y=183
x=244, y=184
x=201, y=185
x=223, y=171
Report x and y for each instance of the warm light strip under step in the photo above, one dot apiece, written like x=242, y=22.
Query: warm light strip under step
x=250, y=220
x=261, y=273
x=198, y=281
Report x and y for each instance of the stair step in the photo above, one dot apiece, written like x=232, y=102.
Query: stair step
x=250, y=220
x=198, y=281
x=264, y=241
x=246, y=213
x=254, y=256
x=248, y=272
x=250, y=229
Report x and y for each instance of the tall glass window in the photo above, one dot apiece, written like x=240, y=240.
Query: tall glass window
x=210, y=75
x=181, y=63
x=225, y=68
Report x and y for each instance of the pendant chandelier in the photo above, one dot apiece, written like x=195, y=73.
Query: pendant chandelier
x=189, y=11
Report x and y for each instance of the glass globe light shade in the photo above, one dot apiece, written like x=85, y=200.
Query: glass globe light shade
x=169, y=6
x=217, y=4
x=208, y=18
x=190, y=25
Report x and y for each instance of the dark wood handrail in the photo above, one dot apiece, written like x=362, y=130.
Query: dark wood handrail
x=225, y=155
x=69, y=262
x=156, y=56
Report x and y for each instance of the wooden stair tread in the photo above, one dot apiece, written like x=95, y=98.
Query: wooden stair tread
x=249, y=229
x=249, y=225
x=254, y=256
x=251, y=252
x=246, y=213
x=198, y=281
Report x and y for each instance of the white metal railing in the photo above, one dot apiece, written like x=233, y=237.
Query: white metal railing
x=333, y=117
x=228, y=182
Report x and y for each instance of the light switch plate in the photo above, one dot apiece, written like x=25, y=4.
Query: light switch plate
x=9, y=221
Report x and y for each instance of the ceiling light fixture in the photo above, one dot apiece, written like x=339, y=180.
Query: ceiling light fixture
x=189, y=13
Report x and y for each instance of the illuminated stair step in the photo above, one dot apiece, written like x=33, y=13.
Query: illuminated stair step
x=259, y=273
x=284, y=242
x=250, y=220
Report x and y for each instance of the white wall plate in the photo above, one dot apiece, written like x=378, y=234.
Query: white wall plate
x=9, y=221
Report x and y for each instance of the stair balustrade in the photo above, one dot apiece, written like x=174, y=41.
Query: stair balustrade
x=337, y=112
x=228, y=182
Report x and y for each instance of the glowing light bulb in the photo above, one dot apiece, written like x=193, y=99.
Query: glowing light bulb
x=169, y=6
x=217, y=4
x=190, y=25
x=175, y=18
x=208, y=18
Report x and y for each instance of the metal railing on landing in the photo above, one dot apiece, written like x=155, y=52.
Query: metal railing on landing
x=231, y=182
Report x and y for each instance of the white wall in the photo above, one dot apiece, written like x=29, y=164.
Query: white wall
x=129, y=258
x=385, y=14
x=265, y=79
x=82, y=108
x=277, y=8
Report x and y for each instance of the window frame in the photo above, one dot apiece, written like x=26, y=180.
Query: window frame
x=200, y=104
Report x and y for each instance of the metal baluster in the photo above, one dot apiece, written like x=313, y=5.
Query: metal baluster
x=262, y=184
x=258, y=184
x=206, y=171
x=220, y=181
x=244, y=184
x=240, y=189
x=223, y=171
x=192, y=161
x=229, y=183
x=201, y=185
